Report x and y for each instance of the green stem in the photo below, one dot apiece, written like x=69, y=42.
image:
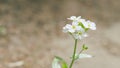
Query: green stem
x=80, y=51
x=73, y=57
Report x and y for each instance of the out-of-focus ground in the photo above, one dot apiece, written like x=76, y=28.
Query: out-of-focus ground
x=32, y=32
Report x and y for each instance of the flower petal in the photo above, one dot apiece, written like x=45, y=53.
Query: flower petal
x=84, y=56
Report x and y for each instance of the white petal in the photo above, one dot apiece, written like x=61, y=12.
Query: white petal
x=79, y=17
x=65, y=30
x=80, y=37
x=85, y=35
x=78, y=28
x=71, y=30
x=84, y=23
x=82, y=20
x=84, y=56
x=68, y=26
x=93, y=26
x=75, y=23
x=88, y=21
x=72, y=18
x=77, y=36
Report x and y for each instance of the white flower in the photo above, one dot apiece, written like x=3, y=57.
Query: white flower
x=72, y=28
x=79, y=36
x=82, y=21
x=89, y=24
x=68, y=28
x=79, y=27
x=74, y=18
x=92, y=25
x=76, y=27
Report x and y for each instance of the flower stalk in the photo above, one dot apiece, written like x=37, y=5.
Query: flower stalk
x=73, y=57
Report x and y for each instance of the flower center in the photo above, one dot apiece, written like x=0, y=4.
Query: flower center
x=73, y=27
x=89, y=25
x=80, y=33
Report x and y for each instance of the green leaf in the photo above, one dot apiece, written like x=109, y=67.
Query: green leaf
x=59, y=63
x=55, y=63
x=86, y=29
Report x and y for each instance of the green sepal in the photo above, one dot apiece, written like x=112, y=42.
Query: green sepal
x=80, y=24
x=84, y=47
x=86, y=29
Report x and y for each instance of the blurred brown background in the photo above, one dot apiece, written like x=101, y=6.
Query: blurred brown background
x=31, y=32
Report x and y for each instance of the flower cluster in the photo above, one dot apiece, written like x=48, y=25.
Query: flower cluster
x=79, y=27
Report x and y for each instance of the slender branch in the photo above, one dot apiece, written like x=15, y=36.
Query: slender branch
x=73, y=57
x=81, y=51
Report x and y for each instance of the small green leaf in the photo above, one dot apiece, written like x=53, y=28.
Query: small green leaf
x=55, y=63
x=86, y=29
x=80, y=24
x=62, y=63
